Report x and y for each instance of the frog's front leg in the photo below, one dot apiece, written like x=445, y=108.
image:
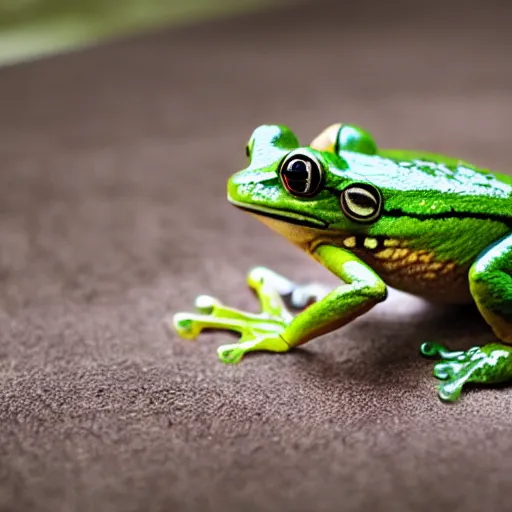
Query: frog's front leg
x=490, y=279
x=275, y=329
x=362, y=289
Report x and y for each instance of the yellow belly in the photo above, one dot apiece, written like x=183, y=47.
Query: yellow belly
x=418, y=272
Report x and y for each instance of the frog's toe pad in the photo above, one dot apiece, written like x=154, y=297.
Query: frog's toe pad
x=449, y=391
x=256, y=275
x=230, y=354
x=261, y=275
x=206, y=304
x=185, y=326
x=430, y=349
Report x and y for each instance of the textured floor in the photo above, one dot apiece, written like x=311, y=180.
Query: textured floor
x=113, y=213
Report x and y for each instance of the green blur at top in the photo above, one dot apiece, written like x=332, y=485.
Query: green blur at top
x=32, y=29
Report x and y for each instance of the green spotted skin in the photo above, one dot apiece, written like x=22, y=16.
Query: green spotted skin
x=428, y=224
x=491, y=364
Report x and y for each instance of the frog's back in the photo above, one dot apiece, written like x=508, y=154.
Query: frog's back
x=439, y=214
x=425, y=183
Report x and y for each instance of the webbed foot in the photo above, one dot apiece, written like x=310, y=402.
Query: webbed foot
x=258, y=331
x=489, y=364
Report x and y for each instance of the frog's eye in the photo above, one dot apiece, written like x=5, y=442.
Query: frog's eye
x=361, y=202
x=301, y=175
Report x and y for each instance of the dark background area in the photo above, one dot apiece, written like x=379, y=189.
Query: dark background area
x=113, y=215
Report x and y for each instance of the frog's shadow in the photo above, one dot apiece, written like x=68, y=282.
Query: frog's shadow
x=390, y=346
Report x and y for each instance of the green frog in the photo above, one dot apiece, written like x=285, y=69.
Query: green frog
x=430, y=225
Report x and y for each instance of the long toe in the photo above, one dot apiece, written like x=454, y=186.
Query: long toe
x=230, y=354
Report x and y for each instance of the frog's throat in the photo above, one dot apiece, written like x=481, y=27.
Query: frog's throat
x=282, y=215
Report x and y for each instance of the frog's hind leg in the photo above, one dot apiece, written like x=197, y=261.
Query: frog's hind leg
x=490, y=281
x=490, y=364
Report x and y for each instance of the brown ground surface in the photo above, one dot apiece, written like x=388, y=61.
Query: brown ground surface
x=113, y=213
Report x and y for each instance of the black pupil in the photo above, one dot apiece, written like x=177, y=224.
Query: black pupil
x=296, y=176
x=298, y=170
x=362, y=199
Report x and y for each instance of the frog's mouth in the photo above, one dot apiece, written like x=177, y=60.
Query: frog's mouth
x=282, y=215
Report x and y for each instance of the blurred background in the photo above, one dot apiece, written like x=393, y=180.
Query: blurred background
x=34, y=28
x=113, y=214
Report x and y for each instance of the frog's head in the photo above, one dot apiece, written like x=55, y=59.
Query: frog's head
x=289, y=186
